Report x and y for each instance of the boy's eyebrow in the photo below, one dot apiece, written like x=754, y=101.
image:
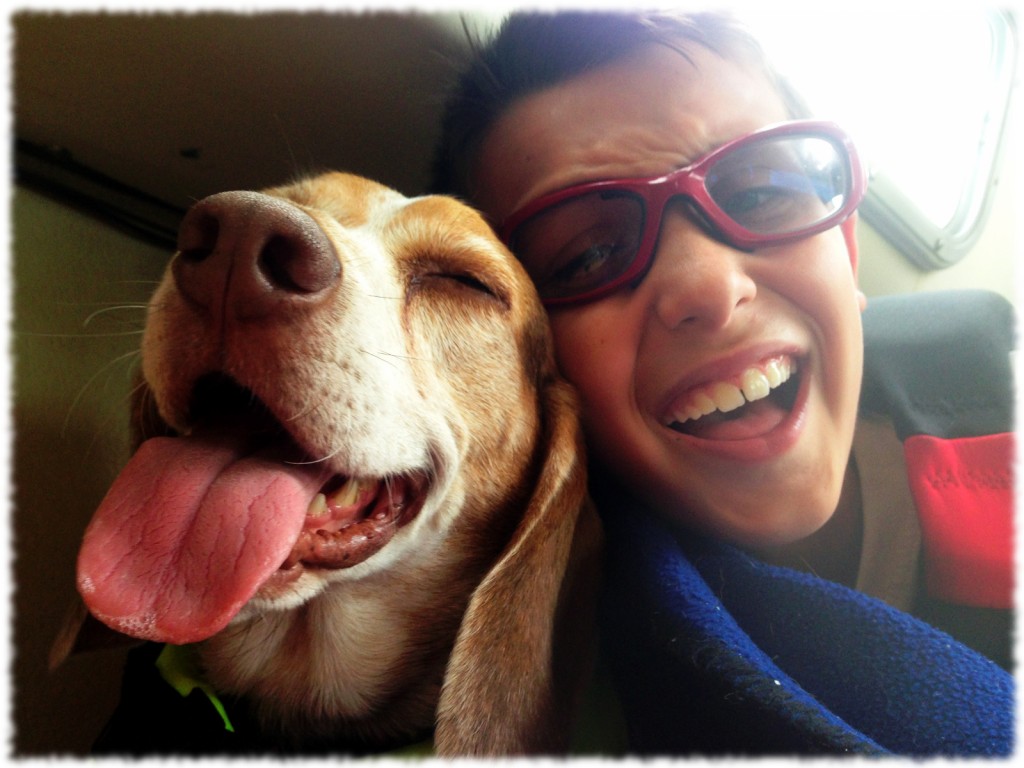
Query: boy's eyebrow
x=700, y=149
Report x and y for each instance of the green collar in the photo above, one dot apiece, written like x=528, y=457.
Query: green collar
x=179, y=667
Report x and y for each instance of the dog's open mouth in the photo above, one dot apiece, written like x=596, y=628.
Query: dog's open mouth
x=347, y=525
x=349, y=518
x=195, y=526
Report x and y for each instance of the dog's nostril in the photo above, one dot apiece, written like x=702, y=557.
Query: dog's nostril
x=198, y=234
x=303, y=263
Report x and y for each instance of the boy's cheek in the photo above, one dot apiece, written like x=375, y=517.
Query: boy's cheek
x=596, y=353
x=587, y=346
x=821, y=280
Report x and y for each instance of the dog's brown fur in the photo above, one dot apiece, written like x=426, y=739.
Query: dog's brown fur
x=430, y=355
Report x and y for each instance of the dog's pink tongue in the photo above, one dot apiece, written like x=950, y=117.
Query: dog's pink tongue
x=188, y=532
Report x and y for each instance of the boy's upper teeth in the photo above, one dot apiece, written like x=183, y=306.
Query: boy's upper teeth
x=726, y=397
x=753, y=384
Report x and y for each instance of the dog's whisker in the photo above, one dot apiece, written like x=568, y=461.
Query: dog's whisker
x=96, y=335
x=315, y=406
x=85, y=387
x=157, y=306
x=382, y=296
x=102, y=427
x=380, y=356
x=321, y=460
x=100, y=303
x=115, y=308
x=408, y=357
x=146, y=393
x=298, y=170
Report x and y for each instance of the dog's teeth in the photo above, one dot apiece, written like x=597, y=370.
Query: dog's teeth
x=346, y=495
x=317, y=506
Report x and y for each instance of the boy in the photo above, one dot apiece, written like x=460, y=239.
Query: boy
x=696, y=248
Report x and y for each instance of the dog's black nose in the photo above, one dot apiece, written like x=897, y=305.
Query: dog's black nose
x=249, y=255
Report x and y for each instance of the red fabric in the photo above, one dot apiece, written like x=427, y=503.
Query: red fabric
x=963, y=490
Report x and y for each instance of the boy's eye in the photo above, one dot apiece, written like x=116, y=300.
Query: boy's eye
x=589, y=268
x=764, y=209
x=581, y=244
x=749, y=200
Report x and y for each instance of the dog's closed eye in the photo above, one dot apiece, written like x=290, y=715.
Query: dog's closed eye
x=460, y=280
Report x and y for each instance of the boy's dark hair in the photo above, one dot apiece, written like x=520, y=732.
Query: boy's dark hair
x=534, y=50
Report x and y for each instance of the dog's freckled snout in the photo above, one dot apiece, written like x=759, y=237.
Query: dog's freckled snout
x=246, y=255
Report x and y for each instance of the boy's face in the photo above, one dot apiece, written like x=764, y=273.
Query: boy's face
x=707, y=318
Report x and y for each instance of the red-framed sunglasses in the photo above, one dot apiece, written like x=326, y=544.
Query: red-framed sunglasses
x=773, y=186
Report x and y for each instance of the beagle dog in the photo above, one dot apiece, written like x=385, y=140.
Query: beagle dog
x=359, y=491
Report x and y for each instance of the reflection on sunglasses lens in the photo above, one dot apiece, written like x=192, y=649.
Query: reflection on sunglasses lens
x=779, y=186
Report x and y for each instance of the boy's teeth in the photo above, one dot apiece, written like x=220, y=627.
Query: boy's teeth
x=776, y=373
x=755, y=383
x=727, y=397
x=703, y=405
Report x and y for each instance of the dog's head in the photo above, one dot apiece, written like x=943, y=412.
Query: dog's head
x=350, y=423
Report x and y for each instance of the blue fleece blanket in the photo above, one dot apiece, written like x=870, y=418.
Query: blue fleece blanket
x=717, y=653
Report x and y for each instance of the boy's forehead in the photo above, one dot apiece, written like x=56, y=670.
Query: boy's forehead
x=645, y=113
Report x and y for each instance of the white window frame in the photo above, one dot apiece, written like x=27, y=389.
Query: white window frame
x=887, y=207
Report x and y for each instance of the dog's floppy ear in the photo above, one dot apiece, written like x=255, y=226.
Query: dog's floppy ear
x=526, y=645
x=80, y=633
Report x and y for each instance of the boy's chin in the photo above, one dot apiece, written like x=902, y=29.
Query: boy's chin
x=772, y=534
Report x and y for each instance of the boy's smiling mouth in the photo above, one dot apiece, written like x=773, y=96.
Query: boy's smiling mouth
x=749, y=405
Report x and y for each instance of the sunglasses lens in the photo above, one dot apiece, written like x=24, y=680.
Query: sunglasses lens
x=582, y=244
x=780, y=185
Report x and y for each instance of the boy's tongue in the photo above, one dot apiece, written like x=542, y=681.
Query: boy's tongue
x=746, y=422
x=189, y=531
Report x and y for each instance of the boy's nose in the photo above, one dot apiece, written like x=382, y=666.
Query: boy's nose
x=697, y=280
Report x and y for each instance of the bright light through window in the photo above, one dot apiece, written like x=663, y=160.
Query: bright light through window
x=923, y=90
